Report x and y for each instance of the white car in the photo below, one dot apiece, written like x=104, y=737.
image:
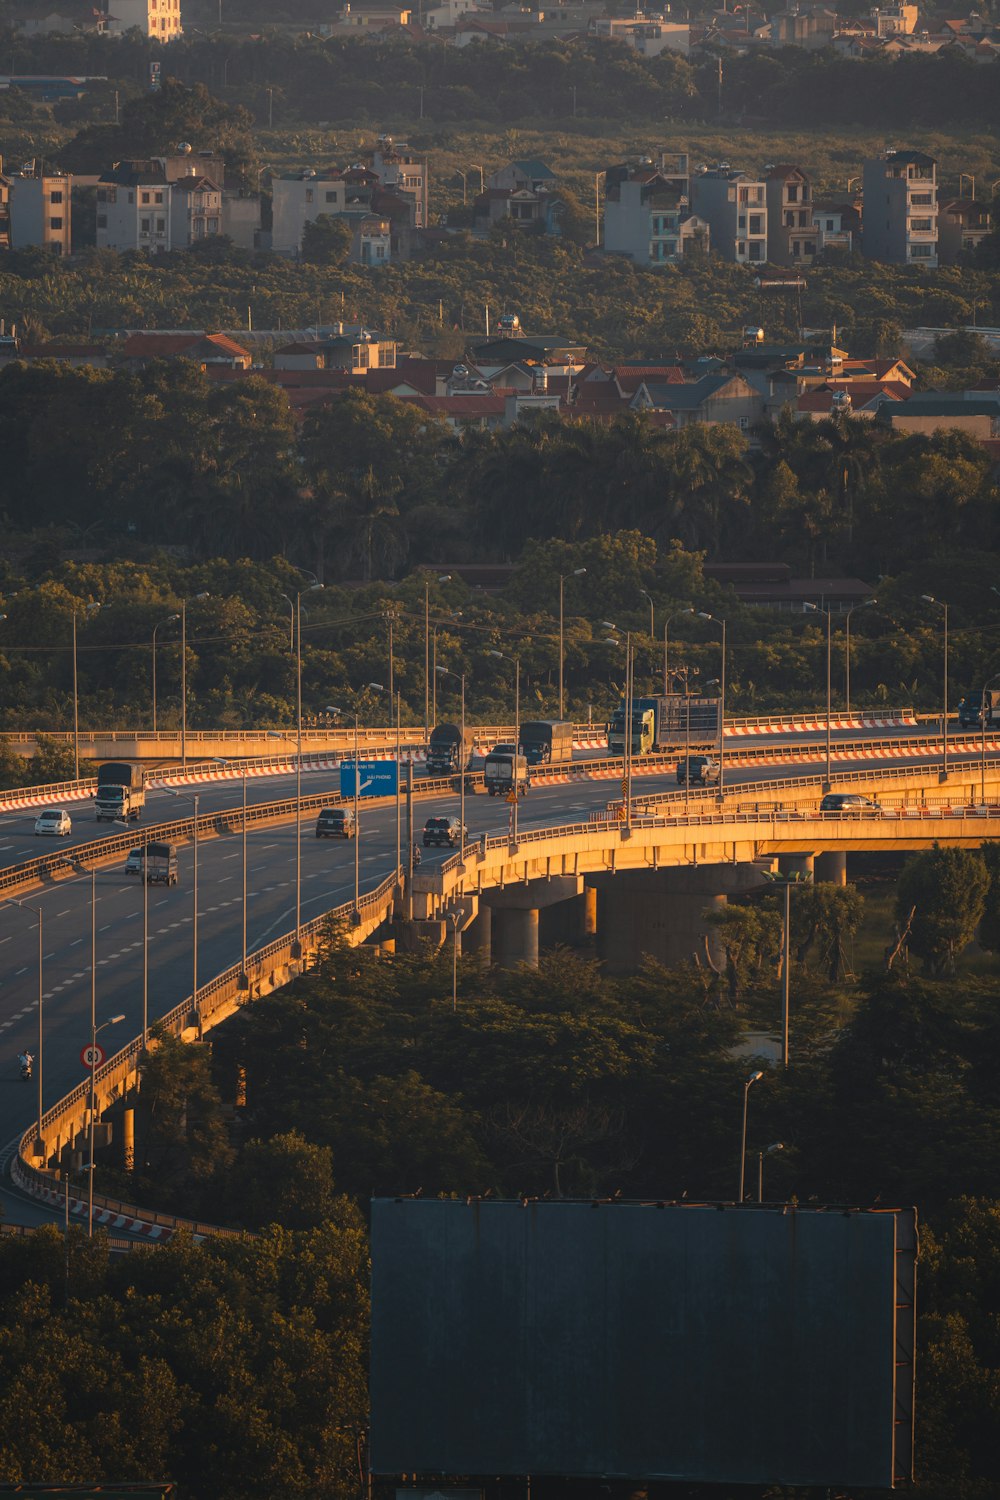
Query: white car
x=55, y=822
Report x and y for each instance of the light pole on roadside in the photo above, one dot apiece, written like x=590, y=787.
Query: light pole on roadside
x=772, y=1150
x=940, y=604
x=787, y=881
x=244, y=980
x=704, y=615
x=748, y=1085
x=576, y=573
x=818, y=609
x=502, y=656
x=652, y=614
x=455, y=918
x=90, y=609
x=982, y=717
x=441, y=578
x=95, y=1031
x=460, y=677
x=168, y=621
x=184, y=696
x=41, y=990
x=194, y=797
x=847, y=649
x=687, y=610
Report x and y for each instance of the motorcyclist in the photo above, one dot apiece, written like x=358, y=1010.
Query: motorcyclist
x=416, y=855
x=25, y=1061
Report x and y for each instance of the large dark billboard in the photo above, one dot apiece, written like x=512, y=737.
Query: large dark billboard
x=718, y=1344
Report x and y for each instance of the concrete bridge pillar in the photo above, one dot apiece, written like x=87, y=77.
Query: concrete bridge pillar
x=800, y=865
x=587, y=902
x=515, y=937
x=515, y=911
x=662, y=913
x=832, y=867
x=478, y=937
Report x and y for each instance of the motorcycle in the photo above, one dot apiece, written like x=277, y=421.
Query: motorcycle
x=26, y=1060
x=416, y=855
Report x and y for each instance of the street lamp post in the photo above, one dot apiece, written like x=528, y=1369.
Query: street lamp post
x=41, y=990
x=455, y=919
x=168, y=621
x=244, y=979
x=754, y=1078
x=847, y=649
x=441, y=578
x=460, y=677
x=771, y=1150
x=930, y=599
x=666, y=658
x=817, y=609
x=576, y=573
x=94, y=1031
x=184, y=721
x=89, y=610
x=502, y=656
x=704, y=615
x=194, y=797
x=982, y=719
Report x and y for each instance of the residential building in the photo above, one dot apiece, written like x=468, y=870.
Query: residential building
x=898, y=19
x=646, y=34
x=963, y=224
x=511, y=346
x=647, y=214
x=371, y=241
x=837, y=225
x=523, y=192
x=901, y=209
x=791, y=234
x=39, y=210
x=133, y=207
x=352, y=351
x=843, y=398
x=298, y=199
x=374, y=16
x=195, y=211
x=398, y=169
x=710, y=400
x=976, y=413
x=160, y=20
x=799, y=26
x=735, y=206
x=68, y=22
x=214, y=352
x=5, y=188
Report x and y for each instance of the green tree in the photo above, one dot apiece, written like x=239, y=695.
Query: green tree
x=947, y=889
x=326, y=241
x=286, y=1180
x=826, y=917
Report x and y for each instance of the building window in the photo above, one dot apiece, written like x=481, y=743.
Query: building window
x=921, y=226
x=756, y=250
x=309, y=195
x=921, y=200
x=379, y=252
x=143, y=226
x=796, y=248
x=331, y=197
x=157, y=197
x=161, y=226
x=789, y=221
x=793, y=193
x=741, y=222
x=744, y=424
x=741, y=249
x=921, y=252
x=829, y=224
x=55, y=197
x=143, y=197
x=56, y=223
x=756, y=223
x=213, y=226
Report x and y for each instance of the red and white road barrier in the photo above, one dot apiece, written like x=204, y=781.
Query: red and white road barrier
x=107, y=1218
x=818, y=725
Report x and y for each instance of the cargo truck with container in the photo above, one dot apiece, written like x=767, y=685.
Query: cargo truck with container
x=547, y=742
x=662, y=722
x=445, y=753
x=121, y=793
x=503, y=770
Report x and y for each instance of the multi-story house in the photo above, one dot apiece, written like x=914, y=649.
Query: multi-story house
x=791, y=233
x=133, y=207
x=735, y=207
x=398, y=169
x=837, y=225
x=963, y=224
x=647, y=212
x=39, y=210
x=298, y=199
x=901, y=209
x=371, y=241
x=160, y=20
x=195, y=210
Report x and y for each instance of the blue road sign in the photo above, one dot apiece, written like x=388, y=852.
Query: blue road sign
x=376, y=778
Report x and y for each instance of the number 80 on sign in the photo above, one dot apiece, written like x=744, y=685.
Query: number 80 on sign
x=92, y=1056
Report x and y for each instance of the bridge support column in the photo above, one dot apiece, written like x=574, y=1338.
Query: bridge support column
x=796, y=864
x=478, y=937
x=128, y=1140
x=662, y=913
x=832, y=867
x=515, y=916
x=587, y=902
x=516, y=937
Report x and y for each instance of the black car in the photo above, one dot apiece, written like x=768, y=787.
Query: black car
x=850, y=802
x=336, y=823
x=443, y=831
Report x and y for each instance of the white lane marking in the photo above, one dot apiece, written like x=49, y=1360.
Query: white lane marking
x=164, y=901
x=105, y=928
x=64, y=913
x=21, y=971
x=230, y=856
x=4, y=940
x=75, y=941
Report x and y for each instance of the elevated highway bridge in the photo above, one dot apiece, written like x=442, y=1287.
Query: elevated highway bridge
x=642, y=883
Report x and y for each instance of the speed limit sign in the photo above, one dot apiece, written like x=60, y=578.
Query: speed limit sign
x=93, y=1056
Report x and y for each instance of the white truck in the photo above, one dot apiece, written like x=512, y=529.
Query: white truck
x=121, y=794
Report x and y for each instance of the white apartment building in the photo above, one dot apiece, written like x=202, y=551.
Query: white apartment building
x=900, y=209
x=647, y=214
x=159, y=19
x=735, y=206
x=298, y=199
x=195, y=211
x=133, y=207
x=405, y=174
